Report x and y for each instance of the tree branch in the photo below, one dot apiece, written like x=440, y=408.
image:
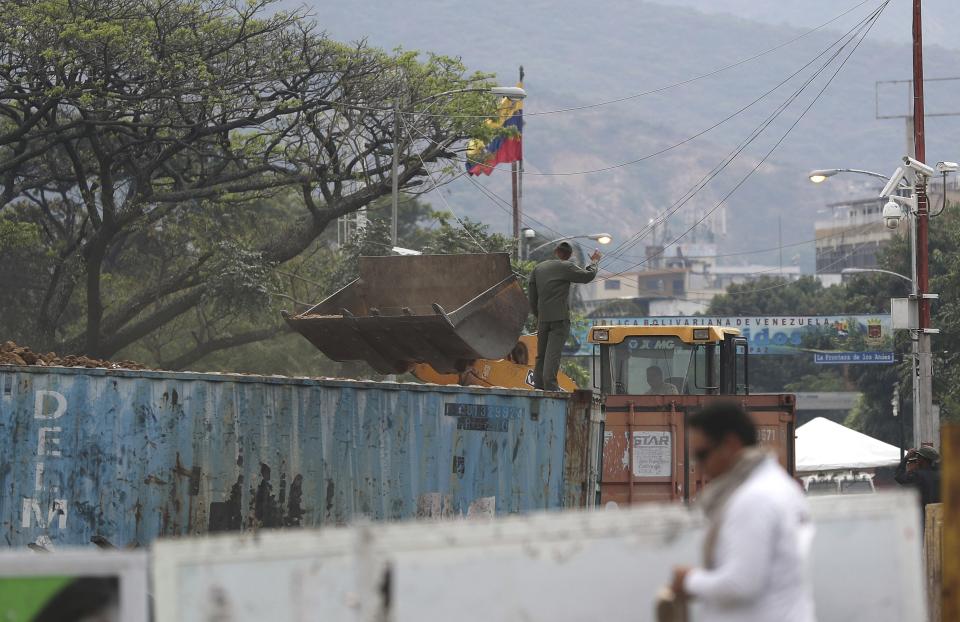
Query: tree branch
x=222, y=343
x=165, y=314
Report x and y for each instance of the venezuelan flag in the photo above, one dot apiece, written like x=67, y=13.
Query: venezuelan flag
x=481, y=157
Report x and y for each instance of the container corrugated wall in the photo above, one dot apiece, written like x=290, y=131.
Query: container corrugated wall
x=130, y=456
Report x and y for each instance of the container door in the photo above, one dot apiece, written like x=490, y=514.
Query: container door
x=643, y=456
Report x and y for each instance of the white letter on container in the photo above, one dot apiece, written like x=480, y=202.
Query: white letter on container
x=57, y=412
x=58, y=510
x=44, y=439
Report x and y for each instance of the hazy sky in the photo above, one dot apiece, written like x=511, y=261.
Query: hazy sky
x=577, y=53
x=941, y=18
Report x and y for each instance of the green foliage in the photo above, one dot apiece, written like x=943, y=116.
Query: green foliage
x=577, y=372
x=24, y=265
x=864, y=294
x=168, y=171
x=16, y=237
x=239, y=279
x=807, y=296
x=823, y=381
x=325, y=269
x=945, y=280
x=873, y=415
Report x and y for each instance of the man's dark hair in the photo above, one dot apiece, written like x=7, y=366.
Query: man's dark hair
x=720, y=419
x=564, y=250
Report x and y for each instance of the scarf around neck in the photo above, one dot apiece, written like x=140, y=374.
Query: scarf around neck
x=718, y=492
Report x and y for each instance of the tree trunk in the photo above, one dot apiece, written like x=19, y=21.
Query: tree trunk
x=94, y=260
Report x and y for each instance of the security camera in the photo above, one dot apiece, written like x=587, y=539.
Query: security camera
x=892, y=213
x=893, y=184
x=947, y=167
x=919, y=167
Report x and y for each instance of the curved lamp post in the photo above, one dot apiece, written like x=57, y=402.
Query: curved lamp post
x=820, y=175
x=879, y=270
x=601, y=238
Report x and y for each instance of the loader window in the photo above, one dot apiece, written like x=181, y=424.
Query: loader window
x=652, y=366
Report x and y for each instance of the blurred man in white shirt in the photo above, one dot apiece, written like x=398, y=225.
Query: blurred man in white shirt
x=759, y=533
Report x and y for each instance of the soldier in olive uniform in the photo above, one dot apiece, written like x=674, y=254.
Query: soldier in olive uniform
x=549, y=289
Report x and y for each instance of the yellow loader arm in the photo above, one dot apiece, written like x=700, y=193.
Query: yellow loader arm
x=513, y=372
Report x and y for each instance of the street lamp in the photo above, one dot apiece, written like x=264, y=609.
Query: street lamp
x=820, y=175
x=897, y=208
x=600, y=238
x=879, y=270
x=914, y=347
x=510, y=92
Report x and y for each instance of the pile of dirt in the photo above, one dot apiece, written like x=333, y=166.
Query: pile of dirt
x=12, y=354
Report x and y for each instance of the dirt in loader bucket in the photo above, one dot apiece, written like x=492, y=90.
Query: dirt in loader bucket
x=444, y=310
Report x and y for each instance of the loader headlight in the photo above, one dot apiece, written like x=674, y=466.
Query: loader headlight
x=601, y=334
x=701, y=334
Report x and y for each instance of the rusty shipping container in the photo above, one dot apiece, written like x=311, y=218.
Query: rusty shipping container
x=132, y=455
x=658, y=467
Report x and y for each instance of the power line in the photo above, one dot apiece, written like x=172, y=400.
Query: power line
x=496, y=199
x=759, y=131
x=818, y=271
x=710, y=176
x=445, y=202
x=674, y=84
x=507, y=207
x=686, y=140
x=850, y=231
x=756, y=132
x=618, y=99
x=785, y=283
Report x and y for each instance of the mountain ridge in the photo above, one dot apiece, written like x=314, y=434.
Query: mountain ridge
x=576, y=55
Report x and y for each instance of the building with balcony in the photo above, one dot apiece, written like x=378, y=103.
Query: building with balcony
x=851, y=234
x=682, y=286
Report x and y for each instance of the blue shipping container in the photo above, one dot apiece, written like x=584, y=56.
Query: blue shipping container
x=132, y=455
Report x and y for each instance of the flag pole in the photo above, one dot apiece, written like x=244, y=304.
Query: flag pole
x=516, y=179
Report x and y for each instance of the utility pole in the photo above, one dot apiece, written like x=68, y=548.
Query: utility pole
x=394, y=181
x=927, y=426
x=921, y=389
x=515, y=183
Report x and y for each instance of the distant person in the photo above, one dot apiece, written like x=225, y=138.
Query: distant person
x=920, y=468
x=759, y=529
x=549, y=290
x=657, y=385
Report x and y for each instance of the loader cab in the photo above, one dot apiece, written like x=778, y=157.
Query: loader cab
x=659, y=360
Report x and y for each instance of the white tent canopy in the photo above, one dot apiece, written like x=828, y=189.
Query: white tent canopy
x=823, y=445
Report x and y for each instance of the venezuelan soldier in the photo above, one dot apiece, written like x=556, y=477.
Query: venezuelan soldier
x=549, y=290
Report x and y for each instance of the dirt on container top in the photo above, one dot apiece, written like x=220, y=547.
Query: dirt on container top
x=13, y=354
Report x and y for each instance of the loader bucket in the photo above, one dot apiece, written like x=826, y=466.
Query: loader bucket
x=444, y=310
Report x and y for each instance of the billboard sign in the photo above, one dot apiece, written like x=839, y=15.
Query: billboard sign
x=774, y=335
